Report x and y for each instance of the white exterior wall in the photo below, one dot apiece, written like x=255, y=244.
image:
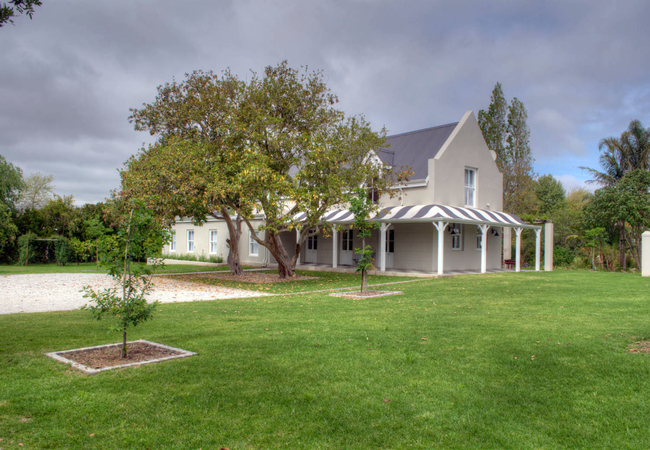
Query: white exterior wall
x=202, y=240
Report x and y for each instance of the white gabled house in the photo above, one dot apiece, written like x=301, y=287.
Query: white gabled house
x=446, y=218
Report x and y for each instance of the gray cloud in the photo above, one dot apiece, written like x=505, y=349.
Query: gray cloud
x=71, y=74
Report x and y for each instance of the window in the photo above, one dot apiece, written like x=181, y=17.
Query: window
x=312, y=242
x=346, y=242
x=470, y=187
x=213, y=242
x=479, y=238
x=456, y=230
x=172, y=243
x=253, y=246
x=190, y=241
x=390, y=241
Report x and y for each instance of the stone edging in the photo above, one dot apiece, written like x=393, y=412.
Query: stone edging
x=357, y=296
x=89, y=370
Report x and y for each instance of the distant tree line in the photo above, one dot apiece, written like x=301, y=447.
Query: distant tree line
x=39, y=226
x=592, y=230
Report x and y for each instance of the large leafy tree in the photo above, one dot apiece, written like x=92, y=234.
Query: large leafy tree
x=550, y=194
x=506, y=132
x=274, y=146
x=620, y=156
x=11, y=183
x=198, y=150
x=627, y=201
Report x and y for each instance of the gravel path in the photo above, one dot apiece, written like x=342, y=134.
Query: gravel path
x=62, y=291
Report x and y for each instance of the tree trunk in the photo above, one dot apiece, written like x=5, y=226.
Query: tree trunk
x=286, y=265
x=234, y=229
x=124, y=343
x=621, y=247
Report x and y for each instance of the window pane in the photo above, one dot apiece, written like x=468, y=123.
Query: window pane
x=315, y=242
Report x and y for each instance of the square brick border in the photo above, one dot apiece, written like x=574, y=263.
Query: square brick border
x=59, y=356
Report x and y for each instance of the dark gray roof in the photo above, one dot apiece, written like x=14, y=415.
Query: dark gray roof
x=415, y=148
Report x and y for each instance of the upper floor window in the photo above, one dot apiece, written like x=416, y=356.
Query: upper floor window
x=190, y=241
x=470, y=187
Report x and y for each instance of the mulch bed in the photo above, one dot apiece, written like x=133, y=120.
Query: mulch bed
x=106, y=357
x=366, y=294
x=641, y=347
x=255, y=277
x=98, y=358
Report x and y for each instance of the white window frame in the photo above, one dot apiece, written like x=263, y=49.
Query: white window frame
x=470, y=186
x=346, y=240
x=456, y=230
x=390, y=240
x=253, y=245
x=479, y=238
x=190, y=241
x=172, y=242
x=212, y=249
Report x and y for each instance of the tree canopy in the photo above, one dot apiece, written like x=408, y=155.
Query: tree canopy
x=12, y=8
x=506, y=132
x=274, y=146
x=37, y=191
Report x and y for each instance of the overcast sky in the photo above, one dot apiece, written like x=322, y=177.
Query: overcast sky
x=69, y=76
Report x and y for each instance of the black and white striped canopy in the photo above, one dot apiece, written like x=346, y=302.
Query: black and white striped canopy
x=431, y=213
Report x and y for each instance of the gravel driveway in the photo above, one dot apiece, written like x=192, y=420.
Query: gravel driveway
x=62, y=291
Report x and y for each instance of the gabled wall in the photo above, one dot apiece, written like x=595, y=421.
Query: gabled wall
x=466, y=148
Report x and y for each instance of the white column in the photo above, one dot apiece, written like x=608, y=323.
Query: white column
x=335, y=247
x=440, y=226
x=298, y=260
x=382, y=247
x=507, y=243
x=645, y=254
x=518, y=251
x=548, y=246
x=538, y=247
x=484, y=228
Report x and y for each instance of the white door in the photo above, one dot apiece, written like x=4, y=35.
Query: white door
x=390, y=247
x=347, y=252
x=312, y=248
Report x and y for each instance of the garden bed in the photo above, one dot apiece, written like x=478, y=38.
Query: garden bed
x=106, y=357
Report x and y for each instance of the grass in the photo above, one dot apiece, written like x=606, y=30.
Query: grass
x=529, y=360
x=6, y=269
x=320, y=281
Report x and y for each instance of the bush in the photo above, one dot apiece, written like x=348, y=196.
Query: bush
x=61, y=250
x=563, y=256
x=192, y=257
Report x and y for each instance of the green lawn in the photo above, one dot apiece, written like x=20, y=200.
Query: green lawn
x=6, y=269
x=319, y=281
x=529, y=360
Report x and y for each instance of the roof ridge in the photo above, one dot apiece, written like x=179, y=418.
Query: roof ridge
x=423, y=129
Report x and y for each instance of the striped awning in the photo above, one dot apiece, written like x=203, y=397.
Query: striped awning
x=431, y=213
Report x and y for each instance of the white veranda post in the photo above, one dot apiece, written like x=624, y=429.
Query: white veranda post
x=440, y=226
x=382, y=247
x=484, y=228
x=518, y=251
x=335, y=248
x=538, y=247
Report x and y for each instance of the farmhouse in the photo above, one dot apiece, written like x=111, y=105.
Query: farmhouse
x=446, y=218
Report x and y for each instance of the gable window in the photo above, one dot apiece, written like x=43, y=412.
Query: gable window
x=253, y=246
x=470, y=187
x=456, y=230
x=213, y=242
x=190, y=241
x=172, y=243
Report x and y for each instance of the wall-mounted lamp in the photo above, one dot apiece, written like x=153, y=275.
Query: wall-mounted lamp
x=495, y=232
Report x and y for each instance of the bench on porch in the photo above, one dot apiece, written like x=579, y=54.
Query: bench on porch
x=509, y=263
